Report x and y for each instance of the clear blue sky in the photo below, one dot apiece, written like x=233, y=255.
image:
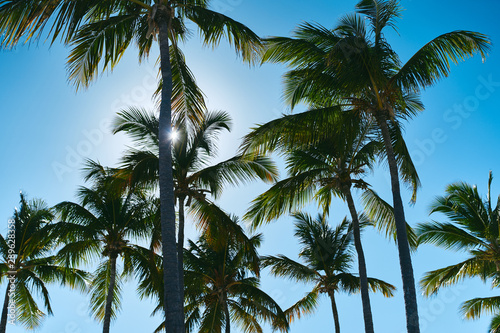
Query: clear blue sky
x=47, y=129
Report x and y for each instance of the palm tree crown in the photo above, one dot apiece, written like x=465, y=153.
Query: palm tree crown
x=328, y=257
x=222, y=285
x=102, y=227
x=354, y=65
x=473, y=229
x=99, y=33
x=32, y=265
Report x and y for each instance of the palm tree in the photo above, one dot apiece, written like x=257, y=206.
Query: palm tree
x=327, y=154
x=354, y=65
x=328, y=257
x=102, y=226
x=222, y=285
x=100, y=32
x=474, y=229
x=192, y=150
x=28, y=265
x=218, y=228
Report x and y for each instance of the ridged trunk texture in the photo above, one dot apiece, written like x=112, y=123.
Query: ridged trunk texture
x=3, y=322
x=227, y=316
x=409, y=292
x=365, y=297
x=335, y=312
x=180, y=250
x=109, y=295
x=174, y=317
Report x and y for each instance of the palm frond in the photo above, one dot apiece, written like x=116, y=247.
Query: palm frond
x=382, y=214
x=432, y=61
x=101, y=43
x=214, y=26
x=474, y=308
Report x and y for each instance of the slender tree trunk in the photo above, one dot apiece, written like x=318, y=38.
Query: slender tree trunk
x=3, y=322
x=410, y=295
x=226, y=314
x=174, y=317
x=180, y=249
x=109, y=296
x=365, y=297
x=335, y=312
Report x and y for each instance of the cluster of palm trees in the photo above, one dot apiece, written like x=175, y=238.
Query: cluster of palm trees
x=358, y=94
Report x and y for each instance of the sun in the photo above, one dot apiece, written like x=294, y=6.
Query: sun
x=174, y=135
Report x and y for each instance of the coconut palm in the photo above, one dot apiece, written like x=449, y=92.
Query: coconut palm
x=353, y=64
x=101, y=229
x=218, y=228
x=474, y=229
x=28, y=265
x=193, y=149
x=100, y=32
x=222, y=286
x=328, y=257
x=327, y=154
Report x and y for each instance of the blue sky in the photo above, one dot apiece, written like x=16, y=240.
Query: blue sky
x=48, y=129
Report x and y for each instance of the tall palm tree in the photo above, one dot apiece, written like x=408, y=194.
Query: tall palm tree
x=28, y=265
x=220, y=229
x=474, y=229
x=100, y=32
x=102, y=227
x=327, y=154
x=193, y=149
x=327, y=254
x=353, y=64
x=223, y=286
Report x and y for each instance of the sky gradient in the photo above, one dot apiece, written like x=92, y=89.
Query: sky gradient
x=48, y=129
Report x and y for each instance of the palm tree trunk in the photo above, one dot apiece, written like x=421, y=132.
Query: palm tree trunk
x=335, y=312
x=3, y=322
x=365, y=297
x=174, y=318
x=180, y=249
x=410, y=295
x=111, y=291
x=226, y=313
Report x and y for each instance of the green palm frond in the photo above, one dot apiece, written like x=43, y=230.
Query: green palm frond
x=380, y=14
x=283, y=266
x=495, y=324
x=234, y=171
x=432, y=61
x=36, y=237
x=212, y=319
x=99, y=289
x=219, y=272
x=72, y=277
x=188, y=101
x=385, y=288
x=304, y=306
x=407, y=169
x=260, y=305
x=246, y=322
x=286, y=195
x=99, y=46
x=448, y=236
x=473, y=228
x=351, y=284
x=28, y=313
x=26, y=20
x=139, y=124
x=290, y=131
x=215, y=26
x=382, y=214
x=443, y=277
x=474, y=308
